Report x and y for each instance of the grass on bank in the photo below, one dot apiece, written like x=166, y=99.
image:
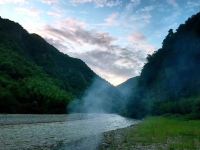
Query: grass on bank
x=166, y=133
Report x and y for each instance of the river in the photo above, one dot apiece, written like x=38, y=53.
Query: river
x=37, y=132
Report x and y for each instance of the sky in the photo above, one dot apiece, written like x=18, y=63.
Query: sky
x=113, y=37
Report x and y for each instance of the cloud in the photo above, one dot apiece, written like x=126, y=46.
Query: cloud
x=116, y=64
x=102, y=51
x=28, y=11
x=72, y=23
x=119, y=61
x=193, y=4
x=172, y=3
x=112, y=19
x=139, y=41
x=134, y=17
x=56, y=14
x=99, y=3
x=143, y=15
x=135, y=2
x=136, y=37
x=132, y=5
x=81, y=36
x=113, y=44
x=75, y=31
x=13, y=1
x=99, y=49
x=50, y=2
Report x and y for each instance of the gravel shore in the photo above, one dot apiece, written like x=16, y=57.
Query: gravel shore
x=57, y=132
x=111, y=140
x=13, y=119
x=116, y=140
x=119, y=140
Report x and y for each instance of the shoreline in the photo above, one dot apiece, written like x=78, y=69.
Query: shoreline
x=53, y=135
x=115, y=139
x=152, y=133
x=155, y=133
x=110, y=140
x=17, y=119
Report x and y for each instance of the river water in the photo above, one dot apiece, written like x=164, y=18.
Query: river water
x=70, y=128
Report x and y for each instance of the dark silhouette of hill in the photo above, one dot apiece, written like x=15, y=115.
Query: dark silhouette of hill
x=170, y=80
x=128, y=86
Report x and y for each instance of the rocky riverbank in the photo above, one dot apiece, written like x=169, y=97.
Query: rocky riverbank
x=111, y=140
x=55, y=132
x=102, y=132
x=120, y=139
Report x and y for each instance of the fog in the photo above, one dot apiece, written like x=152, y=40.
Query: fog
x=100, y=97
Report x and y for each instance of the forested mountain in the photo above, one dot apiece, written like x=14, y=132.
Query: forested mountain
x=170, y=80
x=128, y=86
x=126, y=91
x=34, y=76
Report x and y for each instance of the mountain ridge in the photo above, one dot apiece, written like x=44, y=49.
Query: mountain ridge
x=32, y=71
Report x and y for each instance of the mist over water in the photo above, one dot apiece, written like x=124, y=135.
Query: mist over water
x=95, y=99
x=88, y=131
x=100, y=99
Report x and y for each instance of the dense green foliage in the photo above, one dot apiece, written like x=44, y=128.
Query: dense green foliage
x=25, y=88
x=170, y=80
x=34, y=76
x=74, y=73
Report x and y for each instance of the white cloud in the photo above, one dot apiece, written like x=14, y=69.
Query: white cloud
x=13, y=1
x=54, y=14
x=75, y=31
x=139, y=42
x=137, y=37
x=99, y=3
x=135, y=18
x=99, y=49
x=72, y=23
x=117, y=62
x=28, y=11
x=112, y=19
x=50, y=2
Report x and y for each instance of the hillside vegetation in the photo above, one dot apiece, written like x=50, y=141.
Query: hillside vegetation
x=170, y=80
x=35, y=77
